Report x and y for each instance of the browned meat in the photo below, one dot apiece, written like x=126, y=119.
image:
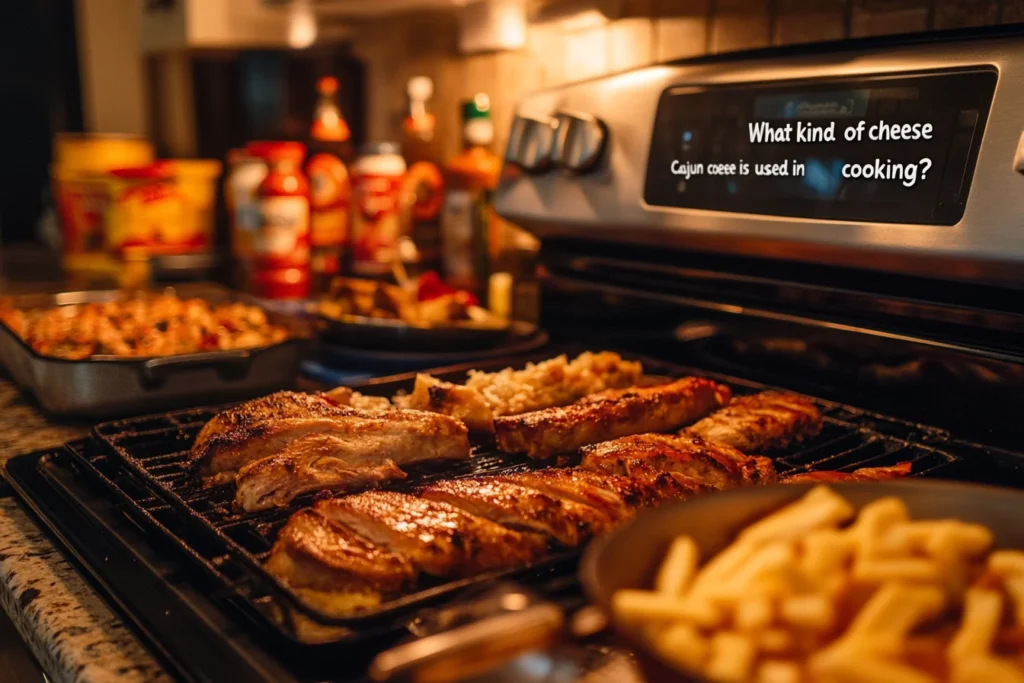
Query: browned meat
x=439, y=539
x=344, y=396
x=312, y=552
x=714, y=465
x=504, y=502
x=902, y=469
x=265, y=426
x=446, y=398
x=609, y=414
x=608, y=493
x=761, y=423
x=316, y=462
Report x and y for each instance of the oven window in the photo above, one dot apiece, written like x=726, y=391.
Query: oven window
x=888, y=149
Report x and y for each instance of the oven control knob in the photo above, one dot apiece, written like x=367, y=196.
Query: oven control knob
x=531, y=143
x=580, y=141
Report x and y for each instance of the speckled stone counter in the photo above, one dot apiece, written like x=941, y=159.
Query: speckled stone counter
x=70, y=629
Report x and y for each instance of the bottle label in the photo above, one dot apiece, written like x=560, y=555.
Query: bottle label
x=457, y=235
x=283, y=235
x=376, y=222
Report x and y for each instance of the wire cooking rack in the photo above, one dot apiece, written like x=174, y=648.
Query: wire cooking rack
x=231, y=546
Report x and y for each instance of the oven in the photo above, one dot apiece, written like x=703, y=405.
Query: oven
x=670, y=235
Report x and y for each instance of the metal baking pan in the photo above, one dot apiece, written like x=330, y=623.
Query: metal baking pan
x=110, y=386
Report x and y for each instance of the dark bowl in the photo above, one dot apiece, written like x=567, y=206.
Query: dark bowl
x=630, y=557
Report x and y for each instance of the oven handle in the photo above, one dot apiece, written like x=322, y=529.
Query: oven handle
x=473, y=649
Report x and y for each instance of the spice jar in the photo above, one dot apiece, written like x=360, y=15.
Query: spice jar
x=377, y=219
x=280, y=247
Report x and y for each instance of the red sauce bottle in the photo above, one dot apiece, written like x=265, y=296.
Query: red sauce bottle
x=281, y=245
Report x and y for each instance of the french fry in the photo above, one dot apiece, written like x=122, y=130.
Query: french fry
x=722, y=566
x=774, y=641
x=893, y=612
x=852, y=666
x=980, y=669
x=903, y=569
x=637, y=606
x=820, y=508
x=955, y=539
x=1014, y=587
x=778, y=671
x=683, y=646
x=873, y=522
x=768, y=560
x=982, y=611
x=731, y=658
x=753, y=614
x=1006, y=562
x=825, y=552
x=814, y=612
x=678, y=568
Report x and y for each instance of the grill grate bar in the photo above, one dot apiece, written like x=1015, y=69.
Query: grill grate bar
x=151, y=453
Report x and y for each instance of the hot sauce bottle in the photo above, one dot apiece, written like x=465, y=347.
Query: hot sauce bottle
x=281, y=251
x=424, y=183
x=330, y=187
x=377, y=179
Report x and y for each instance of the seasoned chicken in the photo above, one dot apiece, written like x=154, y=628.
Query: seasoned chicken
x=897, y=471
x=505, y=502
x=582, y=487
x=446, y=398
x=438, y=539
x=265, y=426
x=315, y=553
x=714, y=465
x=554, y=382
x=761, y=423
x=609, y=414
x=315, y=462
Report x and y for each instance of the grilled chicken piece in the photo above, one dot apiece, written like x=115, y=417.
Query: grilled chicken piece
x=266, y=426
x=462, y=403
x=438, y=539
x=609, y=414
x=316, y=462
x=761, y=423
x=313, y=552
x=713, y=465
x=505, y=502
x=902, y=469
x=616, y=497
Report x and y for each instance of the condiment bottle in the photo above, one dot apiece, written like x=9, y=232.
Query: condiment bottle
x=377, y=178
x=246, y=173
x=424, y=184
x=281, y=248
x=330, y=186
x=466, y=221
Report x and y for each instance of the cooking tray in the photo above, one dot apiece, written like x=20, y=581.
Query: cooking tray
x=645, y=540
x=155, y=450
x=108, y=386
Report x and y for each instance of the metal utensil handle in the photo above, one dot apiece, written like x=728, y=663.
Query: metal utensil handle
x=472, y=649
x=231, y=364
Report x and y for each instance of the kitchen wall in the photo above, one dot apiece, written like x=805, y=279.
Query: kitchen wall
x=570, y=40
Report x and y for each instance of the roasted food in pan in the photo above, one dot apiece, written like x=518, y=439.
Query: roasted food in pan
x=609, y=414
x=423, y=305
x=761, y=423
x=142, y=325
x=554, y=382
x=819, y=592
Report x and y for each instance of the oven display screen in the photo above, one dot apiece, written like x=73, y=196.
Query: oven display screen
x=889, y=149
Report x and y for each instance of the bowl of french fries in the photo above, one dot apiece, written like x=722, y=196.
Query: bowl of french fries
x=888, y=582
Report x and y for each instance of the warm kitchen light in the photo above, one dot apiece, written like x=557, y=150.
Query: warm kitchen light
x=302, y=26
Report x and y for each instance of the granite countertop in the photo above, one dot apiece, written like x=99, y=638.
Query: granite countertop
x=72, y=632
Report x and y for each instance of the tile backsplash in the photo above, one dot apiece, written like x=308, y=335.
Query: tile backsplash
x=618, y=35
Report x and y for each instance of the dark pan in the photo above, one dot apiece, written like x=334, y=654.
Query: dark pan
x=390, y=334
x=629, y=557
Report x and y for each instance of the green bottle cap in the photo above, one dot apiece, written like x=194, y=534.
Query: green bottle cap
x=477, y=108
